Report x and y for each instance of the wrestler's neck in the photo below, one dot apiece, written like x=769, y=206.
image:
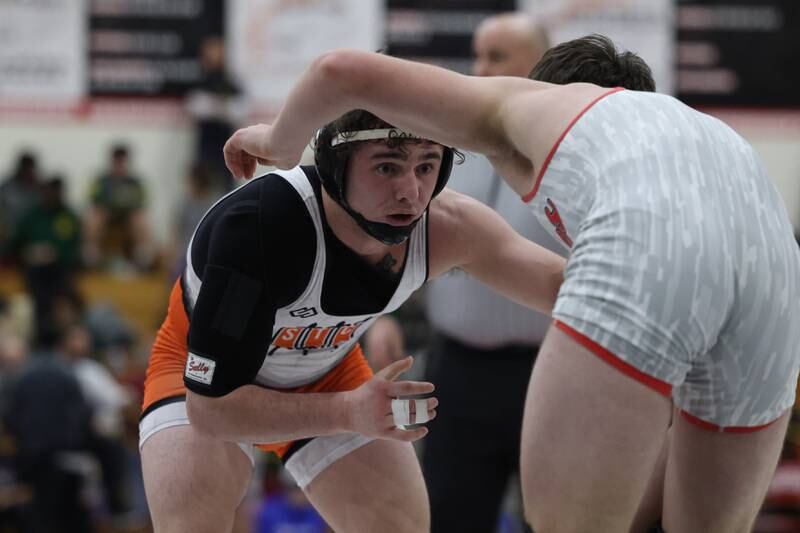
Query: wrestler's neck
x=351, y=235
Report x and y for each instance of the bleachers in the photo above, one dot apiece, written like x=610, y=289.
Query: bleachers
x=140, y=299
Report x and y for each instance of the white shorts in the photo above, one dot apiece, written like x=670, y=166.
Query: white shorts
x=305, y=462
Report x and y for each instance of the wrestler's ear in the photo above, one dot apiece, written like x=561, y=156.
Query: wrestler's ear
x=390, y=372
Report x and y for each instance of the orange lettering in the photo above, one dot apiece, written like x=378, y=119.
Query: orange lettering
x=286, y=337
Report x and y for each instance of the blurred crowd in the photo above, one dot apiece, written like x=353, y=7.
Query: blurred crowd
x=72, y=360
x=72, y=364
x=71, y=371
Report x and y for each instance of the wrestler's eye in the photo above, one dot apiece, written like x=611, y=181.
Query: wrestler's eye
x=425, y=168
x=386, y=169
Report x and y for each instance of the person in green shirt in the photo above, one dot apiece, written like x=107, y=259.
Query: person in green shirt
x=46, y=243
x=116, y=225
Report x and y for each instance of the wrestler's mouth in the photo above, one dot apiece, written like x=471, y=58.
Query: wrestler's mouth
x=400, y=219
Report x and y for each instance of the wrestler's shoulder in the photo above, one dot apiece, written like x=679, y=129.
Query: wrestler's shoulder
x=271, y=194
x=452, y=210
x=453, y=221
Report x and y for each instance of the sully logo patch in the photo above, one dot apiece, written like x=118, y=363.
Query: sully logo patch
x=199, y=369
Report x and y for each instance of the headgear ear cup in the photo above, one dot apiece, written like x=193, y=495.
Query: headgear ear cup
x=331, y=165
x=448, y=155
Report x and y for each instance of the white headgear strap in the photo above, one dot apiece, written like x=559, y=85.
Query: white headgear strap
x=371, y=135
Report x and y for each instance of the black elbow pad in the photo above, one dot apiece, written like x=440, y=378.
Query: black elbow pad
x=229, y=332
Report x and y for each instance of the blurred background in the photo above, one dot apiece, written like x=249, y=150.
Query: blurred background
x=113, y=114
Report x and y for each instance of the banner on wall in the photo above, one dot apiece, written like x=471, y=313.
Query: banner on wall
x=42, y=51
x=738, y=53
x=645, y=27
x=148, y=48
x=271, y=42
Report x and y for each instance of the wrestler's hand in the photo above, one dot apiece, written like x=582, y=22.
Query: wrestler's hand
x=370, y=406
x=255, y=144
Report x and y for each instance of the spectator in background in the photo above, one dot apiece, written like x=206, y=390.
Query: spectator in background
x=69, y=307
x=16, y=315
x=116, y=225
x=18, y=193
x=107, y=400
x=13, y=494
x=13, y=354
x=48, y=418
x=46, y=245
x=472, y=452
x=216, y=106
x=201, y=193
x=508, y=44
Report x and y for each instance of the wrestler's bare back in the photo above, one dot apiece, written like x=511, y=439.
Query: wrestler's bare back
x=534, y=121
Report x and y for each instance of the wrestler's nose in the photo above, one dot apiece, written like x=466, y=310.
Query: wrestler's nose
x=406, y=186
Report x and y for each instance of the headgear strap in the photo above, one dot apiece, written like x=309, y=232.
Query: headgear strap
x=371, y=135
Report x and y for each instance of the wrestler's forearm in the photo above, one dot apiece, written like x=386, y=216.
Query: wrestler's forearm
x=532, y=281
x=487, y=247
x=256, y=414
x=533, y=277
x=438, y=104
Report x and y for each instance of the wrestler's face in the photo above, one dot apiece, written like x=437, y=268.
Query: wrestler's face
x=393, y=185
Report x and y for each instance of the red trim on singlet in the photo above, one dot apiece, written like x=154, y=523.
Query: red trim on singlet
x=720, y=429
x=528, y=197
x=649, y=381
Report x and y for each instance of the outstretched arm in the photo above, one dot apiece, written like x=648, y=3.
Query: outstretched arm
x=468, y=235
x=436, y=103
x=444, y=106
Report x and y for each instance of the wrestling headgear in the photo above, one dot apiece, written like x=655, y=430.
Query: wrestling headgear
x=332, y=154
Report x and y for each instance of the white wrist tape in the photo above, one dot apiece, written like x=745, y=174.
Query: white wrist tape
x=401, y=412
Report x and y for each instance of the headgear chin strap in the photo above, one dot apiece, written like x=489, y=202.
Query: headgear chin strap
x=332, y=168
x=386, y=233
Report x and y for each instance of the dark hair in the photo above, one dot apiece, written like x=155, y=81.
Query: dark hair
x=593, y=59
x=26, y=160
x=54, y=183
x=26, y=163
x=119, y=151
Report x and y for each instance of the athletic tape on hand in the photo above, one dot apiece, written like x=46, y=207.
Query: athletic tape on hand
x=401, y=412
x=421, y=411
